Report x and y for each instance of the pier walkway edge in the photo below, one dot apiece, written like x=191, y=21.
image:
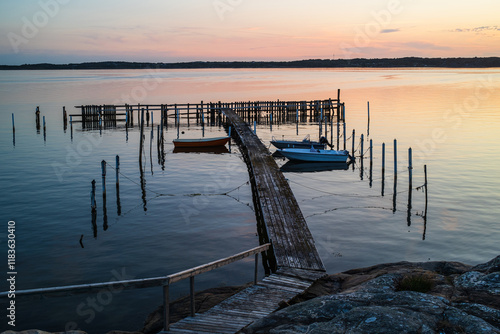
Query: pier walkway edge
x=295, y=263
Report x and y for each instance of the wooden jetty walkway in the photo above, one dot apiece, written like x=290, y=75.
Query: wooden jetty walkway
x=297, y=263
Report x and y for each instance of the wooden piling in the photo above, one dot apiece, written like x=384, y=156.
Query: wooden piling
x=65, y=116
x=395, y=158
x=371, y=151
x=141, y=139
x=37, y=116
x=353, y=140
x=13, y=124
x=344, y=136
x=117, y=170
x=368, y=126
x=93, y=204
x=362, y=142
x=410, y=167
x=103, y=170
x=383, y=167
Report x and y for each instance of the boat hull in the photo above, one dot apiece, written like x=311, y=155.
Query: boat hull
x=201, y=142
x=299, y=154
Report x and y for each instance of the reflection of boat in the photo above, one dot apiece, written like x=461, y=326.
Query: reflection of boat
x=201, y=142
x=311, y=167
x=305, y=143
x=311, y=154
x=206, y=149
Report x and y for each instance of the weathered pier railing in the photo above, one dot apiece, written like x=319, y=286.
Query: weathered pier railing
x=94, y=116
x=164, y=281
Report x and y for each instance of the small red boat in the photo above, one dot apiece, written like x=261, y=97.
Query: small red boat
x=201, y=142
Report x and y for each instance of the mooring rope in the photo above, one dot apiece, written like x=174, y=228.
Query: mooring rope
x=226, y=193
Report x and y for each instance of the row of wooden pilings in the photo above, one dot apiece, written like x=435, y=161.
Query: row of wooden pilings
x=272, y=112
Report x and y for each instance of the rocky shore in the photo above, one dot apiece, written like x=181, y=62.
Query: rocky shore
x=403, y=297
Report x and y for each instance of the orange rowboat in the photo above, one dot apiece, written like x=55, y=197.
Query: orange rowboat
x=201, y=142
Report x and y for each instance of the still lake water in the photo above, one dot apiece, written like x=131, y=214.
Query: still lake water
x=184, y=216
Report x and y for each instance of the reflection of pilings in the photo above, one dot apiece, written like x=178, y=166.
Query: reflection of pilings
x=118, y=205
x=410, y=167
x=141, y=139
x=425, y=210
x=344, y=136
x=93, y=207
x=44, y=130
x=353, y=140
x=104, y=210
x=143, y=187
x=368, y=126
x=13, y=131
x=395, y=175
x=371, y=162
x=151, y=149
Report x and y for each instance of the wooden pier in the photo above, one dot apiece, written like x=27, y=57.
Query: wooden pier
x=105, y=116
x=296, y=262
x=293, y=262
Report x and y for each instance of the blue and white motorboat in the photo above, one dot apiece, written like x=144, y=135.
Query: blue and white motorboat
x=314, y=155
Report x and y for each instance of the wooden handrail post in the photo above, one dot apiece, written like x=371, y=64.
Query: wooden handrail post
x=256, y=268
x=166, y=307
x=191, y=290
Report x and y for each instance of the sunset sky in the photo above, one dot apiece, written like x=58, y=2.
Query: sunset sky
x=64, y=31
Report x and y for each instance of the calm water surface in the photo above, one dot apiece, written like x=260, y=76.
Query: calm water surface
x=181, y=218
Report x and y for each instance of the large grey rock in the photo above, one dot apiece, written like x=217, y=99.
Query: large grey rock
x=461, y=299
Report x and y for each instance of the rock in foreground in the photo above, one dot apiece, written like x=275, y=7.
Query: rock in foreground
x=429, y=297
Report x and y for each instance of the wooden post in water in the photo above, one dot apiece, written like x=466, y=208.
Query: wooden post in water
x=44, y=129
x=395, y=158
x=371, y=161
x=362, y=142
x=344, y=136
x=141, y=139
x=65, y=117
x=103, y=170
x=191, y=290
x=13, y=124
x=383, y=167
x=368, y=127
x=117, y=170
x=93, y=204
x=37, y=116
x=410, y=167
x=338, y=135
x=353, y=139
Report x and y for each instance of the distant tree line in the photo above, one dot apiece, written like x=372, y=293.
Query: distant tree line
x=476, y=62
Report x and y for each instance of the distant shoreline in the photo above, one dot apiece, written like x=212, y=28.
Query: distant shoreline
x=476, y=62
